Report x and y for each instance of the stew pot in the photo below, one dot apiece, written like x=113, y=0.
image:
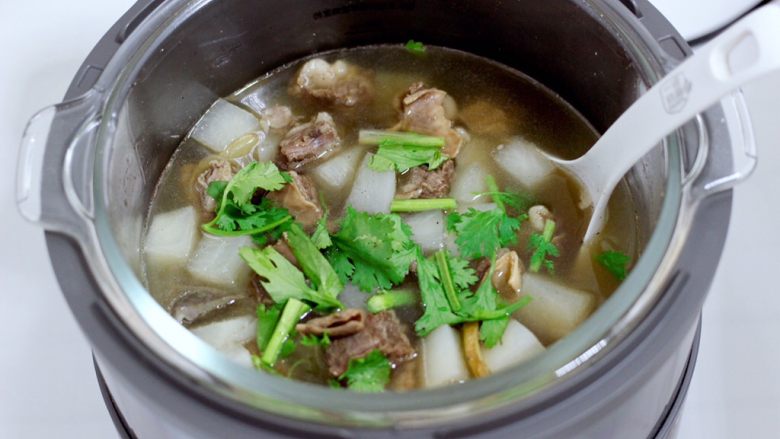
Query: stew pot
x=89, y=166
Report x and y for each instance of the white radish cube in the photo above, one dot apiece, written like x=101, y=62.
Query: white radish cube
x=216, y=260
x=337, y=172
x=268, y=149
x=222, y=124
x=228, y=333
x=469, y=181
x=517, y=345
x=172, y=236
x=427, y=229
x=522, y=160
x=443, y=361
x=229, y=337
x=372, y=191
x=555, y=310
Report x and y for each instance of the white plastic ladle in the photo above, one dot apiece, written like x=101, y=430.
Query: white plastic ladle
x=747, y=50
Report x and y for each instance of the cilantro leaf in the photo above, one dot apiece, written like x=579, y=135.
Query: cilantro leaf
x=392, y=154
x=462, y=274
x=374, y=250
x=315, y=266
x=368, y=374
x=415, y=47
x=282, y=280
x=314, y=341
x=481, y=233
x=254, y=176
x=236, y=214
x=542, y=246
x=437, y=308
x=321, y=236
x=615, y=262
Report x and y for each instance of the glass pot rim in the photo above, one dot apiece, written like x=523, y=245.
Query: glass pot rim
x=214, y=373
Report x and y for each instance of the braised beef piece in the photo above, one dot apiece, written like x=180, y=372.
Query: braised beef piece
x=424, y=111
x=309, y=141
x=339, y=83
x=420, y=182
x=301, y=199
x=382, y=331
x=339, y=324
x=218, y=170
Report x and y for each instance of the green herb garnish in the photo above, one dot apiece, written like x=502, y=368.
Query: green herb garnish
x=415, y=47
x=236, y=213
x=615, y=262
x=368, y=374
x=480, y=234
x=319, y=271
x=376, y=137
x=480, y=306
x=321, y=236
x=542, y=247
x=313, y=340
x=393, y=155
x=372, y=250
x=423, y=204
x=385, y=300
x=293, y=311
x=267, y=318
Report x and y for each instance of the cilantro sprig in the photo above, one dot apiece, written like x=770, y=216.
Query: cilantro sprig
x=283, y=281
x=237, y=214
x=479, y=234
x=483, y=305
x=542, y=247
x=372, y=250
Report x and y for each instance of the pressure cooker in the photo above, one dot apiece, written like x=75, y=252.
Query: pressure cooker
x=89, y=166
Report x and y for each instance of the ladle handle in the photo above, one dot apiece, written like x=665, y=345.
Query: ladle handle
x=747, y=50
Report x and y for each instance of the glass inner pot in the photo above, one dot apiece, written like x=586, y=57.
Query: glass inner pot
x=581, y=50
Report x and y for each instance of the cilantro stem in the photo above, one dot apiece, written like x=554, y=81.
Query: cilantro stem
x=294, y=309
x=375, y=137
x=209, y=228
x=446, y=280
x=547, y=234
x=421, y=205
x=490, y=182
x=390, y=299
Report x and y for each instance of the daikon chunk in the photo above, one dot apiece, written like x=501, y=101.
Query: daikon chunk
x=517, y=345
x=427, y=229
x=337, y=172
x=216, y=260
x=555, y=310
x=222, y=124
x=229, y=337
x=172, y=236
x=522, y=160
x=372, y=191
x=469, y=181
x=443, y=361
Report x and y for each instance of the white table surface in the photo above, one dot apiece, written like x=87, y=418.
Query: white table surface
x=47, y=384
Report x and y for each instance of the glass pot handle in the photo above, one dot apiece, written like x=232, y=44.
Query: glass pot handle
x=53, y=179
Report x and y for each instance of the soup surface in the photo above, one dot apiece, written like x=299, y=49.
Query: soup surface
x=380, y=218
